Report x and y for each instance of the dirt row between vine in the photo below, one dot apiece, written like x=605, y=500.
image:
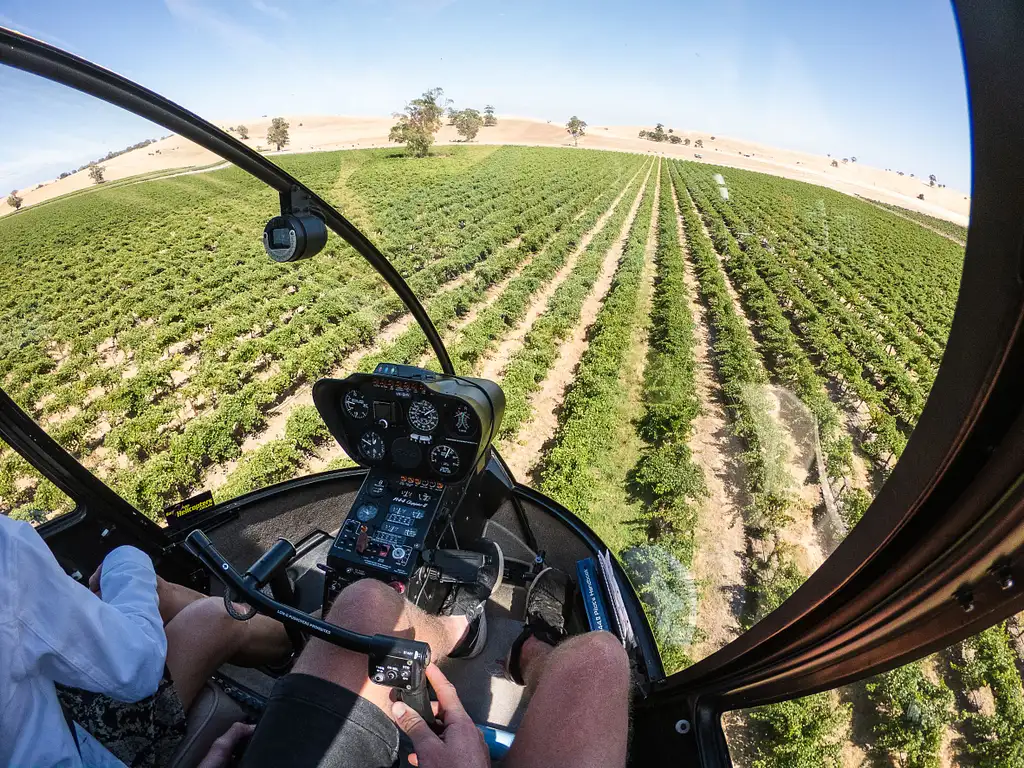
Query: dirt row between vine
x=523, y=453
x=718, y=561
x=277, y=417
x=802, y=532
x=494, y=366
x=327, y=454
x=929, y=227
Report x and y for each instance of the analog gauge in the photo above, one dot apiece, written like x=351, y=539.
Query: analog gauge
x=371, y=446
x=444, y=459
x=462, y=420
x=356, y=405
x=423, y=416
x=366, y=512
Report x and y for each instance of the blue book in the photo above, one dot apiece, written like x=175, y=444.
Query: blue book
x=593, y=597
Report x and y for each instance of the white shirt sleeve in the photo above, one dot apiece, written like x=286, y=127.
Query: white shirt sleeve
x=114, y=646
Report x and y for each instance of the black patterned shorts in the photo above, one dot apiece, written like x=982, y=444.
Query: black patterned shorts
x=140, y=735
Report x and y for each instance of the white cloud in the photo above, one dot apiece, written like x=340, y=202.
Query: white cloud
x=270, y=10
x=221, y=26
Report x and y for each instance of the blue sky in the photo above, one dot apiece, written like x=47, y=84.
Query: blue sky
x=882, y=81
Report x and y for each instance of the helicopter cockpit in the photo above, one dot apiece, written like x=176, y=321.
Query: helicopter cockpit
x=384, y=450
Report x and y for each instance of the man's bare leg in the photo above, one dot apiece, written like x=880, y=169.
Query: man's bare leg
x=174, y=598
x=372, y=607
x=201, y=636
x=578, y=713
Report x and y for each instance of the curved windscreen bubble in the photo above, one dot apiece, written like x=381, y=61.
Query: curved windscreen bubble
x=714, y=347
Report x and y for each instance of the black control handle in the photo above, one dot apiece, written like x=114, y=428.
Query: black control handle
x=270, y=562
x=397, y=652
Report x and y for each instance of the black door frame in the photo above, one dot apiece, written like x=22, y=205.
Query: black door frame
x=940, y=553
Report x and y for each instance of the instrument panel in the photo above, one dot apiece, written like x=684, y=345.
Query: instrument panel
x=410, y=420
x=423, y=436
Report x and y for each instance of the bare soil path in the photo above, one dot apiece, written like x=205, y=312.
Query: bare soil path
x=494, y=365
x=523, y=453
x=936, y=230
x=718, y=562
x=620, y=511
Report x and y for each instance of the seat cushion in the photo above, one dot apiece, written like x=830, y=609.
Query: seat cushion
x=211, y=714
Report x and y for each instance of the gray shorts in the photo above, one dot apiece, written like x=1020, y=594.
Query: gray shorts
x=310, y=722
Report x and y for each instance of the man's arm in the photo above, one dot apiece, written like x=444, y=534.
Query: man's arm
x=114, y=646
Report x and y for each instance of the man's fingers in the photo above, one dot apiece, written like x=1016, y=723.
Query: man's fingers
x=219, y=755
x=237, y=732
x=413, y=725
x=94, y=580
x=446, y=694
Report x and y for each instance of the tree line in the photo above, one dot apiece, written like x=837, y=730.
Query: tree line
x=421, y=120
x=659, y=134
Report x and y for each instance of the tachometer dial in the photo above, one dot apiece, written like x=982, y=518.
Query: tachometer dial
x=444, y=459
x=423, y=416
x=356, y=405
x=371, y=446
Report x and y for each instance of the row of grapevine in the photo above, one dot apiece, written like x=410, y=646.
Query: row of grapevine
x=590, y=412
x=530, y=365
x=783, y=354
x=948, y=228
x=743, y=378
x=779, y=297
x=665, y=475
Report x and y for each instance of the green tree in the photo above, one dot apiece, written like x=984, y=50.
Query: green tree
x=14, y=200
x=467, y=123
x=277, y=133
x=699, y=143
x=243, y=132
x=658, y=134
x=673, y=139
x=576, y=128
x=686, y=142
x=419, y=122
x=931, y=180
x=96, y=173
x=453, y=115
x=835, y=163
x=642, y=134
x=489, y=118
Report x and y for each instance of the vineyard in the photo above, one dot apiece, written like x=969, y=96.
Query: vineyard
x=716, y=383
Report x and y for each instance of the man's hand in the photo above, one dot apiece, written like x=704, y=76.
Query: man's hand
x=223, y=748
x=460, y=744
x=94, y=581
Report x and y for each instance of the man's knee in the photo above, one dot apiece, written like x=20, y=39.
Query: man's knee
x=368, y=606
x=598, y=655
x=207, y=617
